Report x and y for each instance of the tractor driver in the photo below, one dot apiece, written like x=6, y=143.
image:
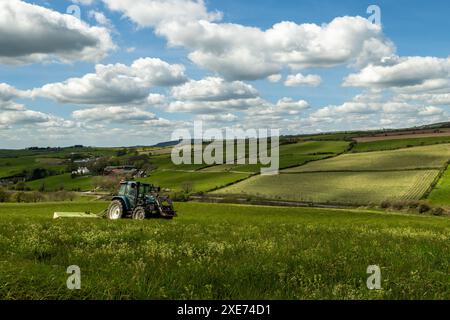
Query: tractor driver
x=132, y=191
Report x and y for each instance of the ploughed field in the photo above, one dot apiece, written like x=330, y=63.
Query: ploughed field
x=218, y=251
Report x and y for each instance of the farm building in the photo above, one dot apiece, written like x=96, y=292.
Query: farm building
x=120, y=170
x=81, y=171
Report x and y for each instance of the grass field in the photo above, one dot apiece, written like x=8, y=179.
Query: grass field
x=198, y=181
x=398, y=144
x=435, y=156
x=292, y=155
x=13, y=166
x=14, y=162
x=56, y=153
x=164, y=162
x=356, y=178
x=441, y=192
x=337, y=187
x=223, y=252
x=286, y=161
x=175, y=180
x=315, y=147
x=65, y=181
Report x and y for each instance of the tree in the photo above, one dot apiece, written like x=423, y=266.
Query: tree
x=4, y=195
x=36, y=197
x=19, y=197
x=38, y=173
x=42, y=187
x=187, y=187
x=97, y=167
x=122, y=152
x=20, y=186
x=71, y=167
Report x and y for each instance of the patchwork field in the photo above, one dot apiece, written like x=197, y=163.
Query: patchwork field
x=292, y=155
x=398, y=144
x=435, y=156
x=355, y=178
x=223, y=252
x=407, y=134
x=195, y=181
x=336, y=187
x=218, y=251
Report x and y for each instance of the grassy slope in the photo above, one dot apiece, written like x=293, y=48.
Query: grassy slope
x=441, y=193
x=13, y=162
x=420, y=157
x=170, y=176
x=164, y=162
x=223, y=252
x=56, y=182
x=398, y=144
x=13, y=166
x=167, y=179
x=61, y=153
x=293, y=155
x=349, y=178
x=314, y=147
x=337, y=187
x=200, y=181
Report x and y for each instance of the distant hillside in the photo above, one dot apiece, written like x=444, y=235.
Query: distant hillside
x=440, y=125
x=343, y=135
x=166, y=144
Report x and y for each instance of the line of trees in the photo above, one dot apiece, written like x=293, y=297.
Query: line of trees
x=35, y=196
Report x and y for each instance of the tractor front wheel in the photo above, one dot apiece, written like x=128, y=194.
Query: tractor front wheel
x=115, y=210
x=139, y=213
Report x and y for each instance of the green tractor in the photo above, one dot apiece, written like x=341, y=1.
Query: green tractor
x=139, y=201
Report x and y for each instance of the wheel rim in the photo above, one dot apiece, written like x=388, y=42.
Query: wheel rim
x=139, y=215
x=115, y=212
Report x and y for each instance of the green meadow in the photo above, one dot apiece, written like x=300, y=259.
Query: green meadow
x=230, y=251
x=441, y=193
x=398, y=144
x=64, y=181
x=194, y=181
x=223, y=252
x=435, y=157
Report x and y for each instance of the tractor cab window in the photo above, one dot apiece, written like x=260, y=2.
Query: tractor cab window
x=143, y=191
x=123, y=189
x=132, y=190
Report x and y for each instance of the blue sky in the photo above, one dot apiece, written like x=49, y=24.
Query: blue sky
x=346, y=72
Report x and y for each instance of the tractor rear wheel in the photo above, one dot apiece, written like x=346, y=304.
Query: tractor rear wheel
x=115, y=210
x=139, y=213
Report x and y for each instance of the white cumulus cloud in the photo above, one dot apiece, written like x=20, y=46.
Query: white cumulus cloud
x=417, y=73
x=214, y=89
x=30, y=33
x=116, y=114
x=301, y=80
x=238, y=52
x=116, y=84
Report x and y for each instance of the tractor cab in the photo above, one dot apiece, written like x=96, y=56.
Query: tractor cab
x=139, y=200
x=132, y=191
